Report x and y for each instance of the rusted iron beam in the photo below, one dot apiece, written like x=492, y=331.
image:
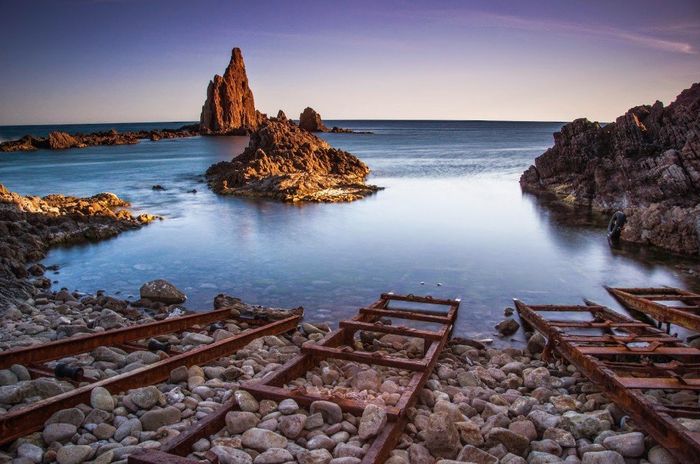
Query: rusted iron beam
x=324, y=352
x=613, y=350
x=420, y=299
x=678, y=440
x=23, y=421
x=636, y=301
x=84, y=343
x=210, y=424
x=399, y=314
x=353, y=326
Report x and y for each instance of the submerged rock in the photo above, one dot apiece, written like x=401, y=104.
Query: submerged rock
x=284, y=162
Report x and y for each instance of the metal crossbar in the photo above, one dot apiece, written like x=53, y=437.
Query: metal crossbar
x=646, y=300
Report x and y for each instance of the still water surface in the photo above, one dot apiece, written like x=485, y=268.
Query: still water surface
x=452, y=222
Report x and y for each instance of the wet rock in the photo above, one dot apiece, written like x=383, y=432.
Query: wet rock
x=536, y=343
x=261, y=439
x=372, y=422
x=156, y=418
x=629, y=445
x=163, y=291
x=507, y=327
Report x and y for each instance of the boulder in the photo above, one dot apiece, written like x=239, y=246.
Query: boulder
x=310, y=120
x=507, y=327
x=162, y=291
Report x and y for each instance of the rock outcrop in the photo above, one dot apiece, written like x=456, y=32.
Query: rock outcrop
x=230, y=107
x=30, y=225
x=646, y=163
x=284, y=162
x=310, y=120
x=62, y=140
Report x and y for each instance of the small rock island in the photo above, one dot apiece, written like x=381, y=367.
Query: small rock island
x=646, y=164
x=283, y=161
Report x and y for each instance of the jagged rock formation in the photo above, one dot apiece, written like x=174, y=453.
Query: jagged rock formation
x=284, y=162
x=310, y=120
x=230, y=107
x=30, y=225
x=63, y=140
x=646, y=163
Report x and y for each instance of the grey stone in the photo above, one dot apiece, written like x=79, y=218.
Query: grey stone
x=73, y=454
x=331, y=412
x=100, y=398
x=274, y=456
x=473, y=454
x=58, y=432
x=67, y=416
x=291, y=426
x=629, y=445
x=602, y=457
x=163, y=291
x=240, y=421
x=261, y=439
x=372, y=422
x=156, y=418
x=246, y=401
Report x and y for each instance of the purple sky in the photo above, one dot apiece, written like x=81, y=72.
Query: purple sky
x=122, y=60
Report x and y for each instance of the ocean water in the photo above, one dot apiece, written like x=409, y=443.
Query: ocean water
x=452, y=222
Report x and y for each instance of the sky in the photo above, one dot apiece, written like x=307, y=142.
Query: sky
x=88, y=61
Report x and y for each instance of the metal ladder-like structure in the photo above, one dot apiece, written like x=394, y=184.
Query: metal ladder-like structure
x=625, y=358
x=338, y=344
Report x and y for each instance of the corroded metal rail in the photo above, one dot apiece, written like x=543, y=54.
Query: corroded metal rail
x=84, y=343
x=272, y=385
x=625, y=359
x=23, y=421
x=649, y=301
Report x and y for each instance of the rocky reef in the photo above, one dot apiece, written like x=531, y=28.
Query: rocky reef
x=646, y=163
x=284, y=162
x=230, y=108
x=62, y=140
x=30, y=225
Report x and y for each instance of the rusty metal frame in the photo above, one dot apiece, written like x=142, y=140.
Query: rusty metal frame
x=625, y=365
x=23, y=421
x=646, y=301
x=84, y=343
x=367, y=319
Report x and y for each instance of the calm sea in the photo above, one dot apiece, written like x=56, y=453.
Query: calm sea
x=452, y=222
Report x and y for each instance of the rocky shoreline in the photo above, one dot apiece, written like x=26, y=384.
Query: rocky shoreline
x=63, y=141
x=30, y=225
x=646, y=164
x=481, y=405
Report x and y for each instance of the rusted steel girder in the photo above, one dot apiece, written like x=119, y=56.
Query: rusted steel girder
x=23, y=421
x=271, y=386
x=84, y=343
x=645, y=300
x=624, y=383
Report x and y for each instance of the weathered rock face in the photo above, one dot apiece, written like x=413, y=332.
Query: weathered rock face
x=30, y=225
x=229, y=108
x=284, y=162
x=63, y=140
x=310, y=120
x=646, y=163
